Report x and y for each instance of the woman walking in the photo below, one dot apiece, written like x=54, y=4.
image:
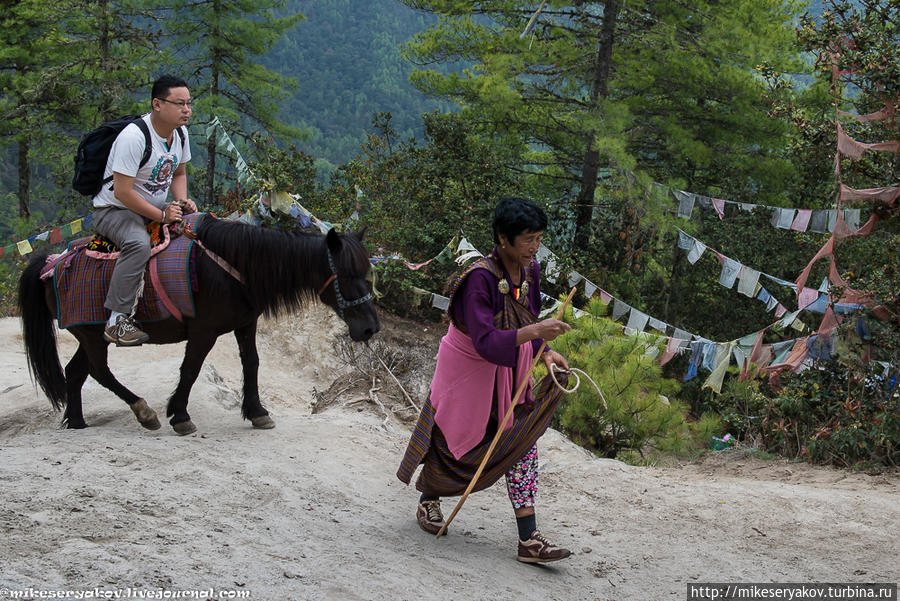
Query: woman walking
x=488, y=349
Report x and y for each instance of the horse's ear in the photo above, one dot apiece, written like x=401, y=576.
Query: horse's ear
x=333, y=241
x=361, y=233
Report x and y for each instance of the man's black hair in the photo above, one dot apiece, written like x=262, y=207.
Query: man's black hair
x=514, y=216
x=165, y=83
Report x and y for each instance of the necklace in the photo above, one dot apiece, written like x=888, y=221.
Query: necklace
x=504, y=287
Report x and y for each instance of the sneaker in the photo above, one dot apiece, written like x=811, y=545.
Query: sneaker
x=538, y=549
x=125, y=332
x=429, y=516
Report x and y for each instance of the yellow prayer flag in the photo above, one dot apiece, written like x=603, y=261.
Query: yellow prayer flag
x=280, y=201
x=722, y=360
x=76, y=226
x=24, y=247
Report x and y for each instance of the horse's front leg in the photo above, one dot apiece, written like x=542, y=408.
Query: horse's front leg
x=198, y=347
x=251, y=408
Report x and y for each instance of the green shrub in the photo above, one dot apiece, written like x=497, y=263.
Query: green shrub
x=638, y=416
x=831, y=414
x=10, y=270
x=741, y=406
x=407, y=293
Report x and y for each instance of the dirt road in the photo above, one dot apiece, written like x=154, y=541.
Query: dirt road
x=312, y=509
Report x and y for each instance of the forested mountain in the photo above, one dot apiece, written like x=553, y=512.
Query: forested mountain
x=346, y=58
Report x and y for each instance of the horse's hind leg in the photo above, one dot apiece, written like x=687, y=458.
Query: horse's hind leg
x=97, y=355
x=76, y=373
x=251, y=408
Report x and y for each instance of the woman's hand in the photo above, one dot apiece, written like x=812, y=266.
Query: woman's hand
x=551, y=328
x=554, y=357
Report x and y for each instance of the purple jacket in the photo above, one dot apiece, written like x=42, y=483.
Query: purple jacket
x=477, y=301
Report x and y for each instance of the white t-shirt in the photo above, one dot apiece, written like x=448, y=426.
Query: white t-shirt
x=152, y=181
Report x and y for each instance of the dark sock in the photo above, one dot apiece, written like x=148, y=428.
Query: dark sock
x=526, y=524
x=425, y=497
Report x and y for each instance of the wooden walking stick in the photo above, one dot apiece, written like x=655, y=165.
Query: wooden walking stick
x=506, y=419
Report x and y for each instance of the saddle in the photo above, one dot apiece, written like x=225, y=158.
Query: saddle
x=103, y=248
x=82, y=273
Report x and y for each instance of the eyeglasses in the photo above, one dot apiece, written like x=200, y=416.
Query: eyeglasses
x=180, y=104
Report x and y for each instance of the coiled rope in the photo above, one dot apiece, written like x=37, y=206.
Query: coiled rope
x=575, y=371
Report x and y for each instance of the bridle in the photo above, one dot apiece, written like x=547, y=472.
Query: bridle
x=342, y=303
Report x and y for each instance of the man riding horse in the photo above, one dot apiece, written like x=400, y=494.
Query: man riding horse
x=137, y=197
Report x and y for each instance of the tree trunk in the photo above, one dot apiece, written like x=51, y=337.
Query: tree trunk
x=673, y=279
x=584, y=203
x=216, y=60
x=103, y=19
x=209, y=188
x=24, y=180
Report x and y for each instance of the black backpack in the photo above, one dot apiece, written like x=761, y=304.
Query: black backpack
x=93, y=153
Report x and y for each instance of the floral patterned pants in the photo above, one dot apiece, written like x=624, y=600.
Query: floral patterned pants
x=522, y=480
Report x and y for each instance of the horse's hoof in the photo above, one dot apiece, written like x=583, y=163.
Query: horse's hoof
x=184, y=428
x=263, y=422
x=145, y=415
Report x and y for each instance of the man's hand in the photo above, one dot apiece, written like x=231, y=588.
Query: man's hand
x=188, y=206
x=172, y=213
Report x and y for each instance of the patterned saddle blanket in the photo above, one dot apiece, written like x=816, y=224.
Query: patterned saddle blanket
x=82, y=273
x=103, y=248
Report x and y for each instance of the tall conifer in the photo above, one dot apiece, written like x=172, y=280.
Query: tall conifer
x=664, y=86
x=219, y=41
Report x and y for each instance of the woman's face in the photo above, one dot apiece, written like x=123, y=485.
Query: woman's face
x=522, y=248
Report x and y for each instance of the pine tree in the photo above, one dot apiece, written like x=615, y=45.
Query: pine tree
x=68, y=65
x=634, y=413
x=662, y=86
x=219, y=41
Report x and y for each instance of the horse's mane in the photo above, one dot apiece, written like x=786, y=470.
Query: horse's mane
x=282, y=269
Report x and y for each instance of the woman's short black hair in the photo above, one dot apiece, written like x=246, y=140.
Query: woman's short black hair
x=514, y=216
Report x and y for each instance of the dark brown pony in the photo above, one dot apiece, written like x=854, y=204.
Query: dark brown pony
x=281, y=271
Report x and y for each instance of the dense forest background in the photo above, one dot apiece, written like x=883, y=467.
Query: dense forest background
x=347, y=59
x=346, y=56
x=417, y=115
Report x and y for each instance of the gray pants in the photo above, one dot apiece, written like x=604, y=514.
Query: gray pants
x=129, y=232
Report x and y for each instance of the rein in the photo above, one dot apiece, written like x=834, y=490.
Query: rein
x=225, y=265
x=325, y=285
x=342, y=303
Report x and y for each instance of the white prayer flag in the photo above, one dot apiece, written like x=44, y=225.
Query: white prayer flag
x=440, y=302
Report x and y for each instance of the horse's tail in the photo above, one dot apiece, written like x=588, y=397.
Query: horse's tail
x=39, y=333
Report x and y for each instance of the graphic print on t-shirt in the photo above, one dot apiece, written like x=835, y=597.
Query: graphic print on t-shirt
x=161, y=176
